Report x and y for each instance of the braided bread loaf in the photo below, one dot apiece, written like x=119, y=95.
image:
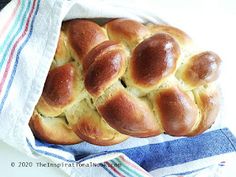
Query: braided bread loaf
x=125, y=79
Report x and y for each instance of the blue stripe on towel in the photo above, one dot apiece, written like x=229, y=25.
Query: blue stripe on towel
x=188, y=172
x=48, y=153
x=18, y=56
x=169, y=153
x=184, y=150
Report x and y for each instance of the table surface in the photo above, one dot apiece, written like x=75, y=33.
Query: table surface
x=210, y=23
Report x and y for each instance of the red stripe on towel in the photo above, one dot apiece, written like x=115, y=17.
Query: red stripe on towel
x=14, y=47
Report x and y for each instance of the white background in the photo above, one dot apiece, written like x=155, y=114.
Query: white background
x=212, y=25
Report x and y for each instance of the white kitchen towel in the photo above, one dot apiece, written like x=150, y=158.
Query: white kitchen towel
x=29, y=30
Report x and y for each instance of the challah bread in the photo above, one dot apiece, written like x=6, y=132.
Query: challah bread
x=53, y=130
x=123, y=79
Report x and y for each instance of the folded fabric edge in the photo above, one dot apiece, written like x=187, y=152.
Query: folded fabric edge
x=105, y=156
x=36, y=87
x=116, y=163
x=29, y=111
x=205, y=167
x=108, y=164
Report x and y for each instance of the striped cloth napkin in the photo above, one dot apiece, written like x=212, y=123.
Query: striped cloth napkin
x=29, y=30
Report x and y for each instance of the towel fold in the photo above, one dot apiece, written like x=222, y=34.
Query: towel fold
x=29, y=31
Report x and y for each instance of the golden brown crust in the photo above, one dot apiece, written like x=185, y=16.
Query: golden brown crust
x=48, y=110
x=129, y=115
x=105, y=66
x=58, y=87
x=180, y=36
x=129, y=32
x=83, y=35
x=201, y=69
x=52, y=130
x=178, y=113
x=90, y=127
x=61, y=89
x=97, y=52
x=208, y=101
x=94, y=133
x=154, y=59
x=125, y=79
x=62, y=54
